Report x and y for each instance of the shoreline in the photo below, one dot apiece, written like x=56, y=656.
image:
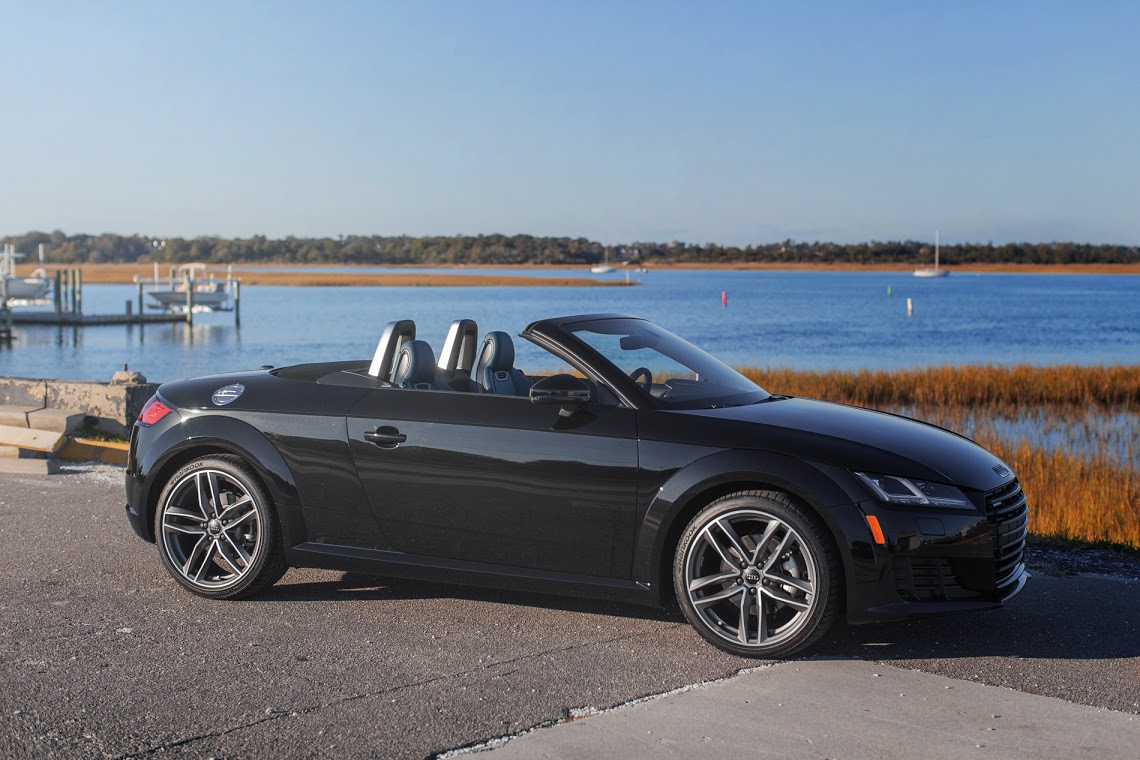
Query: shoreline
x=123, y=274
x=302, y=275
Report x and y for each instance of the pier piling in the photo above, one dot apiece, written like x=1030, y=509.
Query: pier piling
x=189, y=298
x=5, y=312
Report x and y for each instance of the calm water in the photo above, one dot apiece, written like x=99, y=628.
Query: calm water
x=807, y=320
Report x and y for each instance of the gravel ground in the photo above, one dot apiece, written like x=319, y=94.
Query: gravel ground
x=102, y=655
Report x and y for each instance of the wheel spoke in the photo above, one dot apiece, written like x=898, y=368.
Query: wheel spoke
x=190, y=530
x=215, y=497
x=787, y=580
x=769, y=531
x=712, y=580
x=227, y=512
x=771, y=560
x=236, y=521
x=199, y=547
x=225, y=558
x=203, y=498
x=182, y=514
x=237, y=548
x=725, y=552
x=719, y=596
x=780, y=596
x=761, y=620
x=207, y=557
x=733, y=540
x=745, y=615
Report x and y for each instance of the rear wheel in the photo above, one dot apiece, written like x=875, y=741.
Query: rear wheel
x=756, y=575
x=217, y=531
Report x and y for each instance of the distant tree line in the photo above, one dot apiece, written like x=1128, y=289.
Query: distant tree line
x=526, y=249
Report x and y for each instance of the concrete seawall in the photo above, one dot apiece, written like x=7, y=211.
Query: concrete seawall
x=113, y=406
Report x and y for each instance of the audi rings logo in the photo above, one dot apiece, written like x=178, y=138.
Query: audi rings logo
x=228, y=394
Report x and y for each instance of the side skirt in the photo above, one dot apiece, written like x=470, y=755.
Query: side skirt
x=441, y=570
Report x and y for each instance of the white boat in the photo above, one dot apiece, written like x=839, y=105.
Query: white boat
x=31, y=288
x=934, y=271
x=604, y=267
x=209, y=294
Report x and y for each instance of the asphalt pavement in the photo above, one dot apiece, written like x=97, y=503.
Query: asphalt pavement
x=102, y=655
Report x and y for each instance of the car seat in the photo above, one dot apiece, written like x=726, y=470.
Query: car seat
x=415, y=367
x=495, y=370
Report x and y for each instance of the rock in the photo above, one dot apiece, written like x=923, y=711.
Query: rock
x=128, y=377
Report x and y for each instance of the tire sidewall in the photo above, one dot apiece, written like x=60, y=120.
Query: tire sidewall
x=265, y=514
x=808, y=530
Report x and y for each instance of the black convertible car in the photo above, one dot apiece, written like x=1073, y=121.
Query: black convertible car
x=646, y=471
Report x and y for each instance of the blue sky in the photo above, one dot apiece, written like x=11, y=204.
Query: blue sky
x=729, y=122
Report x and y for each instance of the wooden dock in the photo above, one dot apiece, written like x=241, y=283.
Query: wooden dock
x=71, y=319
x=67, y=303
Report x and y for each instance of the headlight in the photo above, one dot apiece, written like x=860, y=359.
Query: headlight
x=895, y=490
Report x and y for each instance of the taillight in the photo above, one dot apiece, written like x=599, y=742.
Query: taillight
x=154, y=411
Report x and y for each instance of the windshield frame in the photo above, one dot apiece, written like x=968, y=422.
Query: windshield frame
x=567, y=336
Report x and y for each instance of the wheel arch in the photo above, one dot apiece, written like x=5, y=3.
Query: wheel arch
x=225, y=436
x=700, y=483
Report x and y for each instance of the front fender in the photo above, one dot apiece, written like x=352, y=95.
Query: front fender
x=819, y=486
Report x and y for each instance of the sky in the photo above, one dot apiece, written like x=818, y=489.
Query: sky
x=724, y=122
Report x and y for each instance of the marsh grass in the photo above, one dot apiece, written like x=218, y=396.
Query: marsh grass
x=1072, y=434
x=1019, y=387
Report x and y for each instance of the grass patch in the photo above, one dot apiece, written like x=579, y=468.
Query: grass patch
x=1080, y=474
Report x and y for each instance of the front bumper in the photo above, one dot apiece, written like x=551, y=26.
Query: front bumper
x=940, y=562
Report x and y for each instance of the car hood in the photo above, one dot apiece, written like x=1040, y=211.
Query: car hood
x=857, y=439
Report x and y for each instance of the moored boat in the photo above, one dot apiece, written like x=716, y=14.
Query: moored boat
x=23, y=288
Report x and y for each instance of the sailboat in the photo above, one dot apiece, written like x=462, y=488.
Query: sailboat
x=934, y=271
x=23, y=288
x=604, y=267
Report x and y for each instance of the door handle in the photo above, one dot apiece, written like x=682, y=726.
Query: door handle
x=386, y=437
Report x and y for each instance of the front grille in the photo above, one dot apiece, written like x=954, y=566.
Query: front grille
x=1008, y=514
x=926, y=579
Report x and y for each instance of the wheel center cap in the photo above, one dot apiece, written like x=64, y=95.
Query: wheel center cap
x=214, y=527
x=752, y=576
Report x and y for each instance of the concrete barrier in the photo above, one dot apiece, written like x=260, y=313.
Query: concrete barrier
x=114, y=406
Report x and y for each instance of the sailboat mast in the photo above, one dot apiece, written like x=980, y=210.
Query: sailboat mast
x=936, y=249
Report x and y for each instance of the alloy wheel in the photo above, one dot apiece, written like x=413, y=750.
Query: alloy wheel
x=751, y=578
x=211, y=529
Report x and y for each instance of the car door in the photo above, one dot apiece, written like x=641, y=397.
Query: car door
x=498, y=479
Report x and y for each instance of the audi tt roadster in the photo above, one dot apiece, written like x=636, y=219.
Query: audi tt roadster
x=636, y=467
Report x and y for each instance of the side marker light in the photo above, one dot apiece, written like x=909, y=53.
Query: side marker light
x=876, y=530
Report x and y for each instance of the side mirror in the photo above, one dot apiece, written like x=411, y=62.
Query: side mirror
x=566, y=391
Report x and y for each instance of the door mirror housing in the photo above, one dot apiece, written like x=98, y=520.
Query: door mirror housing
x=566, y=391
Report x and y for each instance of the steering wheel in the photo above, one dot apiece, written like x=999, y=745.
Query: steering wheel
x=647, y=382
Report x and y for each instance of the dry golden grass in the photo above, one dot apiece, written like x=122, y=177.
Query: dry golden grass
x=1084, y=487
x=1072, y=497
x=125, y=273
x=960, y=386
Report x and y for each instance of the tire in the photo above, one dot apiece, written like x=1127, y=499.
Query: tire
x=217, y=531
x=765, y=554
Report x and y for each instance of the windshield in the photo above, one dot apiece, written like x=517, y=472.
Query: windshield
x=672, y=370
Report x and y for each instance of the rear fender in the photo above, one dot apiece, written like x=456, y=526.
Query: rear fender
x=208, y=433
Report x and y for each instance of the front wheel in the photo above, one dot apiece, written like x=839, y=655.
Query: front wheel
x=756, y=575
x=216, y=530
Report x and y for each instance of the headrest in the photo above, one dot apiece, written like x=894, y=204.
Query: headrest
x=498, y=352
x=415, y=365
x=459, y=346
x=395, y=334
